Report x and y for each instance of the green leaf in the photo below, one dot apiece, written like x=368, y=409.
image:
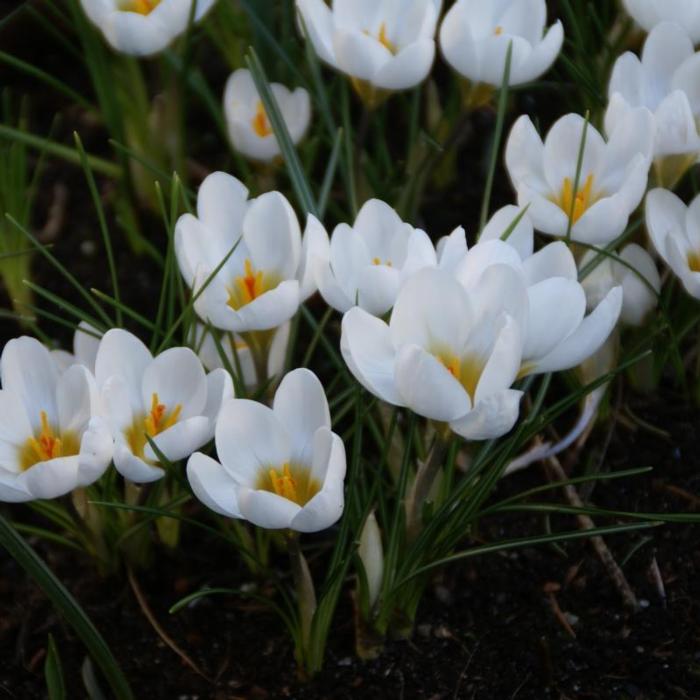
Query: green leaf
x=296, y=173
x=53, y=672
x=67, y=606
x=498, y=134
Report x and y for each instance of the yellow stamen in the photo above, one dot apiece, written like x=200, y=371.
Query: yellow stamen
x=141, y=7
x=694, y=261
x=384, y=39
x=498, y=30
x=467, y=370
x=378, y=261
x=157, y=420
x=575, y=207
x=293, y=482
x=47, y=445
x=250, y=286
x=260, y=123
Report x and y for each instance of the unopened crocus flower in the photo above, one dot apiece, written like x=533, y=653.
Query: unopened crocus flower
x=611, y=181
x=368, y=262
x=382, y=45
x=52, y=439
x=86, y=340
x=371, y=555
x=167, y=399
x=249, y=253
x=447, y=353
x=238, y=354
x=649, y=13
x=666, y=81
x=475, y=36
x=279, y=467
x=674, y=230
x=143, y=27
x=634, y=271
x=249, y=127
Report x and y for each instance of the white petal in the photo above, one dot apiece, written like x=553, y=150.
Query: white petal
x=300, y=405
x=132, y=467
x=427, y=387
x=665, y=216
x=30, y=373
x=557, y=307
x=212, y=485
x=407, y=68
x=369, y=354
x=181, y=440
x=553, y=260
x=503, y=364
x=177, y=377
x=492, y=417
x=589, y=336
x=326, y=507
x=123, y=355
x=266, y=509
x=250, y=440
x=521, y=237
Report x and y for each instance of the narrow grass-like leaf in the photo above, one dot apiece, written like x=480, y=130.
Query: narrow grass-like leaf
x=102, y=221
x=519, y=543
x=497, y=136
x=99, y=165
x=291, y=159
x=53, y=671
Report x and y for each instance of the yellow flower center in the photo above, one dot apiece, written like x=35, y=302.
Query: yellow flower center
x=47, y=445
x=293, y=482
x=467, y=370
x=378, y=261
x=575, y=207
x=156, y=421
x=260, y=123
x=141, y=7
x=694, y=261
x=250, y=286
x=498, y=30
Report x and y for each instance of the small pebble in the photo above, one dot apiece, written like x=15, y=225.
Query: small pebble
x=88, y=248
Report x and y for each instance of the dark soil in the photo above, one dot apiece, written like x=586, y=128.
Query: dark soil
x=501, y=626
x=496, y=627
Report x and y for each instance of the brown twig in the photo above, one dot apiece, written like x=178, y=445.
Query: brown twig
x=604, y=554
x=146, y=610
x=551, y=590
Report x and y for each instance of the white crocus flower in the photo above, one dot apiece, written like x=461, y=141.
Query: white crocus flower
x=475, y=35
x=368, y=262
x=51, y=437
x=86, y=340
x=280, y=467
x=556, y=334
x=674, y=230
x=239, y=355
x=447, y=353
x=666, y=81
x=383, y=45
x=168, y=399
x=249, y=128
x=635, y=272
x=257, y=246
x=612, y=177
x=143, y=27
x=649, y=13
